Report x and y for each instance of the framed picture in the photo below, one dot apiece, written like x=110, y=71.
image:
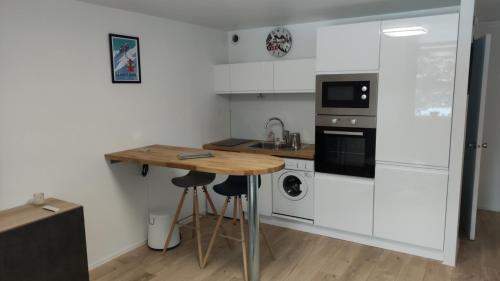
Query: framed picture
x=125, y=59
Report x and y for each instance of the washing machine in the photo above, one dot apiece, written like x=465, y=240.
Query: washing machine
x=293, y=190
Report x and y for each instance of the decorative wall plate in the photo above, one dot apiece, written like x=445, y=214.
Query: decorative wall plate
x=279, y=42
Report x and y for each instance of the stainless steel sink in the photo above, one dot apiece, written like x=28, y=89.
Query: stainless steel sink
x=272, y=145
x=268, y=145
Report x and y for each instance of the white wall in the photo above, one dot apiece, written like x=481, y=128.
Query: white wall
x=249, y=114
x=59, y=112
x=489, y=188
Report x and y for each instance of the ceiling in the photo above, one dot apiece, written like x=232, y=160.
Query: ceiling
x=488, y=10
x=238, y=14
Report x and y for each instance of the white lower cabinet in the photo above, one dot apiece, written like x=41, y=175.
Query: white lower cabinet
x=264, y=201
x=410, y=205
x=344, y=203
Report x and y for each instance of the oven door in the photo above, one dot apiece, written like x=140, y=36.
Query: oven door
x=346, y=94
x=345, y=151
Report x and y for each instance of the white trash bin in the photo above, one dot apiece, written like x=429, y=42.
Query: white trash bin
x=159, y=223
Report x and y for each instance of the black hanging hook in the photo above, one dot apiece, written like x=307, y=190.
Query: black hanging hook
x=145, y=170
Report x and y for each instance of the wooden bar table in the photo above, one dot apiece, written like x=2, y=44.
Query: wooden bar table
x=223, y=162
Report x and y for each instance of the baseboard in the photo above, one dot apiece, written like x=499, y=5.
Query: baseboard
x=356, y=238
x=106, y=259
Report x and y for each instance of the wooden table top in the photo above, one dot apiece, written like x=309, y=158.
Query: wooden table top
x=307, y=152
x=28, y=213
x=223, y=162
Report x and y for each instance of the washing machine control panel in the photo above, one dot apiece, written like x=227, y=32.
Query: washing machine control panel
x=300, y=165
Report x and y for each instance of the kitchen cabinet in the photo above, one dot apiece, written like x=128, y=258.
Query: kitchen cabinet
x=348, y=48
x=344, y=203
x=222, y=78
x=415, y=96
x=283, y=76
x=265, y=200
x=251, y=77
x=294, y=75
x=410, y=205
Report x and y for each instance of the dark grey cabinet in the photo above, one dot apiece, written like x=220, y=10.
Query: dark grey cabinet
x=52, y=248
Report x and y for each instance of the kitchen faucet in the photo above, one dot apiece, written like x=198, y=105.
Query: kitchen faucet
x=284, y=133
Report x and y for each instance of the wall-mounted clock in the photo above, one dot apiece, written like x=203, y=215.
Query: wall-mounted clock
x=279, y=42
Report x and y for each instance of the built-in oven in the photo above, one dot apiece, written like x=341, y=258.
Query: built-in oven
x=345, y=145
x=347, y=94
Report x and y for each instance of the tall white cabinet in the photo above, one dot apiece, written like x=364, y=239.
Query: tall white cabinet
x=415, y=97
x=415, y=93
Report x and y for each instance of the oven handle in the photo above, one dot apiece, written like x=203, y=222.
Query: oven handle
x=343, y=133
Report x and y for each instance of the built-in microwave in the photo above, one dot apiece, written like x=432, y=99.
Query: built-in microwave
x=347, y=94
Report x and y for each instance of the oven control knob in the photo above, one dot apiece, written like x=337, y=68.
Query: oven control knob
x=364, y=96
x=354, y=121
x=335, y=121
x=364, y=89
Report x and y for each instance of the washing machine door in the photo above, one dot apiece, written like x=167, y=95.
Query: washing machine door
x=293, y=186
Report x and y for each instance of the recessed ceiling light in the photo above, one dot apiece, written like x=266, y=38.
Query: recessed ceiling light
x=405, y=31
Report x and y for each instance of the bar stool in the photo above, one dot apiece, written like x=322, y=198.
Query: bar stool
x=192, y=179
x=235, y=186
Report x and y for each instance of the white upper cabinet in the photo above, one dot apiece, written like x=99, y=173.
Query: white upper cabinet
x=283, y=76
x=294, y=75
x=416, y=84
x=222, y=78
x=343, y=203
x=252, y=77
x=410, y=205
x=348, y=48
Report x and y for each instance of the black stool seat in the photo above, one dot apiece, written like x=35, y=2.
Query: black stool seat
x=194, y=178
x=233, y=186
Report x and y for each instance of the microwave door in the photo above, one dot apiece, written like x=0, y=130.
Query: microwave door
x=346, y=94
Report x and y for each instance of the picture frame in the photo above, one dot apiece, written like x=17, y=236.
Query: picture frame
x=125, y=58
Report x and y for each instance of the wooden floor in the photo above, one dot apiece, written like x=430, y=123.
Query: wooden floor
x=303, y=256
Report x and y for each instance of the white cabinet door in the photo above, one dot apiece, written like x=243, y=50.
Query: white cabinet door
x=416, y=91
x=294, y=75
x=253, y=77
x=344, y=203
x=348, y=47
x=265, y=200
x=222, y=78
x=410, y=205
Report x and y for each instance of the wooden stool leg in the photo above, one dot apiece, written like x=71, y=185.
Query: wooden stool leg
x=266, y=241
x=214, y=234
x=235, y=210
x=243, y=240
x=214, y=210
x=174, y=220
x=198, y=228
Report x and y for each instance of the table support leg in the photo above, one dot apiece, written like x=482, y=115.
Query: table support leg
x=253, y=230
